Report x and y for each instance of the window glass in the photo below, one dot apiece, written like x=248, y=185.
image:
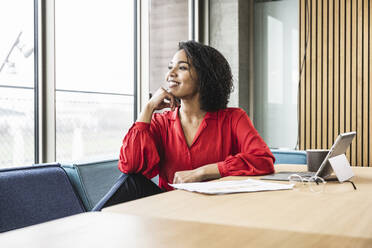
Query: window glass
x=91, y=126
x=168, y=26
x=276, y=72
x=16, y=83
x=94, y=77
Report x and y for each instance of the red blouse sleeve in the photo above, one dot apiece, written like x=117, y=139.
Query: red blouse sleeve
x=139, y=152
x=253, y=157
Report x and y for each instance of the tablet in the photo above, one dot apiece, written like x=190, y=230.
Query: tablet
x=340, y=146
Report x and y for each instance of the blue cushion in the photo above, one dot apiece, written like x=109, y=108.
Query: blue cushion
x=93, y=180
x=35, y=194
x=289, y=156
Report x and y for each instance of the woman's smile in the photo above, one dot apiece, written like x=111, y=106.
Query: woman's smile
x=173, y=83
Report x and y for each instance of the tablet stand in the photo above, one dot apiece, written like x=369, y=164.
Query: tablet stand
x=341, y=167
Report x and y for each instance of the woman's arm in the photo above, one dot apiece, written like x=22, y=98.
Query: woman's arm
x=203, y=173
x=139, y=152
x=253, y=156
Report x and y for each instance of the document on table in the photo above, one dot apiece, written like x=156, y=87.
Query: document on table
x=226, y=187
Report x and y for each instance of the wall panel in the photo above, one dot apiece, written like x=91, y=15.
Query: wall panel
x=335, y=91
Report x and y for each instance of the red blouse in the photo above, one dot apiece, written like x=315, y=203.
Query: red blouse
x=226, y=137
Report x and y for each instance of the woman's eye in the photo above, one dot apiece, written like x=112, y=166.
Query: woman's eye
x=183, y=68
x=170, y=67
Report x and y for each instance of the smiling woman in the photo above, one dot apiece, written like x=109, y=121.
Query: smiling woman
x=200, y=138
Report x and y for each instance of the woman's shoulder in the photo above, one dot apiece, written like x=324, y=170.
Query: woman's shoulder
x=233, y=116
x=232, y=112
x=165, y=115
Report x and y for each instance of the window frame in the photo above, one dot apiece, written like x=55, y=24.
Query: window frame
x=36, y=80
x=198, y=14
x=45, y=87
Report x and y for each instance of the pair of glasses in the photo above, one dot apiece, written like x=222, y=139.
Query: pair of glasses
x=314, y=183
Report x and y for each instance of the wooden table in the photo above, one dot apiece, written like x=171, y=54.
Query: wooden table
x=339, y=216
x=97, y=229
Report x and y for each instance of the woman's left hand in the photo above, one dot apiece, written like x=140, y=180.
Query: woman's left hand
x=188, y=176
x=206, y=172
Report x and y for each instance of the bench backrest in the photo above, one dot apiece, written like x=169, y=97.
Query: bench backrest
x=35, y=194
x=93, y=180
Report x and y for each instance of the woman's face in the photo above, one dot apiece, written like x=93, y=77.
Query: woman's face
x=181, y=76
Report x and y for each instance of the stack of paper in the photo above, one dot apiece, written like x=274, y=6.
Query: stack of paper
x=226, y=187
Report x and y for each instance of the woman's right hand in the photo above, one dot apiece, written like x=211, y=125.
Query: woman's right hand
x=162, y=99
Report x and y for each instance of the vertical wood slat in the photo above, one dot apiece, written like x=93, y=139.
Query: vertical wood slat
x=336, y=69
x=348, y=31
x=319, y=73
x=369, y=83
x=359, y=86
x=365, y=144
x=353, y=78
x=301, y=95
x=325, y=85
x=307, y=123
x=335, y=90
x=328, y=113
x=313, y=97
x=342, y=67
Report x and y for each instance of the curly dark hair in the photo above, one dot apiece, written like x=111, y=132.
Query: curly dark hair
x=214, y=74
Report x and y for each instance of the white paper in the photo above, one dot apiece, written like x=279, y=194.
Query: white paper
x=226, y=187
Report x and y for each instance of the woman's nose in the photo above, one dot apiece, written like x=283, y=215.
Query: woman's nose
x=172, y=72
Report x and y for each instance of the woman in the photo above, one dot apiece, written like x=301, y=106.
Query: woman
x=200, y=138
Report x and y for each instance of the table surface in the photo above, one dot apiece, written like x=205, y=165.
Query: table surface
x=337, y=217
x=99, y=229
x=338, y=211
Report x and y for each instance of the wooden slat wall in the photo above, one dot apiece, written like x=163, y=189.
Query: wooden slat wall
x=335, y=94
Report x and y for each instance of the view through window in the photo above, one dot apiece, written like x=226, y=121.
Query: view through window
x=16, y=83
x=94, y=77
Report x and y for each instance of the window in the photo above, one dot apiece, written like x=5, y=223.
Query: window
x=94, y=77
x=17, y=83
x=276, y=72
